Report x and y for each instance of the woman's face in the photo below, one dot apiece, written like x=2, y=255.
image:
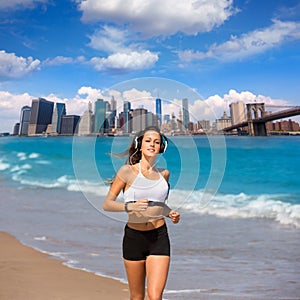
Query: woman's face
x=151, y=143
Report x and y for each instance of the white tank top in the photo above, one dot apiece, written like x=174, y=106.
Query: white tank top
x=144, y=188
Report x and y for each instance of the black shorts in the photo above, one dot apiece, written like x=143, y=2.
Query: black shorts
x=138, y=244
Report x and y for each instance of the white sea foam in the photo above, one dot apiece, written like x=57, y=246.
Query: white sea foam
x=241, y=206
x=40, y=238
x=60, y=182
x=18, y=168
x=33, y=155
x=21, y=155
x=43, y=162
x=87, y=187
x=3, y=165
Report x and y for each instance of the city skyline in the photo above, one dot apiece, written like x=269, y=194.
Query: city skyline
x=103, y=119
x=106, y=120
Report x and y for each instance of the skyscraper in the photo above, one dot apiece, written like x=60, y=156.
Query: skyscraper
x=185, y=113
x=100, y=114
x=237, y=112
x=69, y=124
x=59, y=111
x=113, y=113
x=127, y=109
x=113, y=104
x=139, y=120
x=86, y=122
x=40, y=116
x=158, y=111
x=24, y=120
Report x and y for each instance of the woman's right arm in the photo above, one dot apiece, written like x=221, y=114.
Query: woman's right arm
x=119, y=183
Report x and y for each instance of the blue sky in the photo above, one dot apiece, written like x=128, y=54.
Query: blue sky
x=75, y=51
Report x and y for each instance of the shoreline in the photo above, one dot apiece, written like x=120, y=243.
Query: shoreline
x=26, y=273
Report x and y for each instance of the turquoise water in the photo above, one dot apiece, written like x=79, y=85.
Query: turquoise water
x=239, y=198
x=258, y=175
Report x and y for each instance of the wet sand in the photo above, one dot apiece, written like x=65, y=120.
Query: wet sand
x=29, y=274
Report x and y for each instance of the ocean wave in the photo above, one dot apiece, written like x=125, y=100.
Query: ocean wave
x=68, y=182
x=40, y=238
x=4, y=165
x=60, y=182
x=18, y=168
x=273, y=207
x=21, y=155
x=43, y=162
x=270, y=206
x=33, y=155
x=24, y=156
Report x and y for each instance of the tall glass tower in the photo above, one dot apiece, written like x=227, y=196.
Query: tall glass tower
x=24, y=120
x=158, y=111
x=59, y=111
x=40, y=116
x=100, y=114
x=126, y=109
x=185, y=113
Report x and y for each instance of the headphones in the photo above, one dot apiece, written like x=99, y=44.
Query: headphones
x=163, y=144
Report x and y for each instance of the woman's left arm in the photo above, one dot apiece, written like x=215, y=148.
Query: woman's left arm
x=172, y=214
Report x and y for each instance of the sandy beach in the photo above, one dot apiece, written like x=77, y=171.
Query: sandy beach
x=28, y=274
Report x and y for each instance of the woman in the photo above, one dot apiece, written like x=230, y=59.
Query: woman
x=146, y=246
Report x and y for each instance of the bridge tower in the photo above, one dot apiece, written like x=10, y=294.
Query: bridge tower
x=255, y=111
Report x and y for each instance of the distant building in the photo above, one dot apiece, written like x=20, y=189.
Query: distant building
x=112, y=118
x=223, y=122
x=158, y=111
x=113, y=104
x=16, y=129
x=100, y=114
x=86, y=122
x=24, y=120
x=285, y=125
x=69, y=124
x=127, y=117
x=59, y=111
x=167, y=118
x=152, y=119
x=204, y=125
x=185, y=113
x=139, y=120
x=238, y=112
x=40, y=116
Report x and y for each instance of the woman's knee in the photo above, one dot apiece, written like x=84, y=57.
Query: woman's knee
x=154, y=295
x=137, y=297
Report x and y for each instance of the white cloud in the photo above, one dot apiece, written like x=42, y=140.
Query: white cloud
x=63, y=60
x=124, y=57
x=12, y=66
x=214, y=106
x=10, y=107
x=156, y=17
x=125, y=61
x=255, y=42
x=58, y=60
x=109, y=39
x=20, y=3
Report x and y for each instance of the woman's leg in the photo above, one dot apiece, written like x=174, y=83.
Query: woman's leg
x=136, y=274
x=157, y=268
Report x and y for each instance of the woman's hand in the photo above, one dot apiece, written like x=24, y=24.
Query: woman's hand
x=174, y=216
x=140, y=205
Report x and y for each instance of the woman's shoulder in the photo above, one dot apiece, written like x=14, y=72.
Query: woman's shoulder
x=165, y=173
x=127, y=169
